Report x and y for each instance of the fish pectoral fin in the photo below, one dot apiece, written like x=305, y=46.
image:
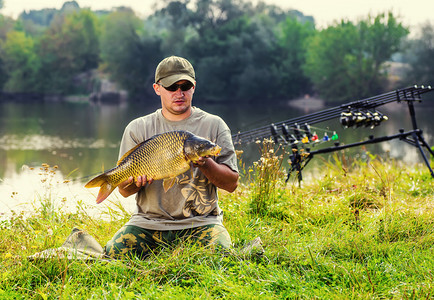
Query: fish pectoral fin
x=168, y=183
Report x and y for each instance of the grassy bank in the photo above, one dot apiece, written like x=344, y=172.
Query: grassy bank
x=357, y=230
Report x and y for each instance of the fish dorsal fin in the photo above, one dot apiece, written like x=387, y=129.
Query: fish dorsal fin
x=128, y=153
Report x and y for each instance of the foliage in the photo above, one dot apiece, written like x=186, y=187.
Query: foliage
x=3, y=74
x=6, y=25
x=292, y=46
x=41, y=17
x=174, y=26
x=347, y=61
x=220, y=33
x=240, y=50
x=419, y=55
x=130, y=55
x=45, y=16
x=69, y=47
x=356, y=230
x=20, y=62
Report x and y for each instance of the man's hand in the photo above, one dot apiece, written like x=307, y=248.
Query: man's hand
x=201, y=161
x=131, y=186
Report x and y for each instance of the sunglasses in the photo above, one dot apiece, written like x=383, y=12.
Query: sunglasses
x=174, y=87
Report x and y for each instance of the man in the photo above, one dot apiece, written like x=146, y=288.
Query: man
x=189, y=210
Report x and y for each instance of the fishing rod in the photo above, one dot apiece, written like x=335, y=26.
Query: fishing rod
x=297, y=131
x=411, y=93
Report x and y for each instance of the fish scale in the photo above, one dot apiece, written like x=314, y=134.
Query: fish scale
x=163, y=156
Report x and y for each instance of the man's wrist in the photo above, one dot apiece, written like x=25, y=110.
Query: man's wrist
x=201, y=163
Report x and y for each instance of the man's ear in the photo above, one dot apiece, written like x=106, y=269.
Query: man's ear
x=156, y=88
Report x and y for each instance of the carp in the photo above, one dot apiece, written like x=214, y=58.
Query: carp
x=163, y=156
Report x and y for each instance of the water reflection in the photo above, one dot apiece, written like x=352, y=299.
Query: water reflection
x=33, y=188
x=38, y=142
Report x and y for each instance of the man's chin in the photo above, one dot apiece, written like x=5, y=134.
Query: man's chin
x=180, y=109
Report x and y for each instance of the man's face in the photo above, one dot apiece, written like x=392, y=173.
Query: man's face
x=175, y=104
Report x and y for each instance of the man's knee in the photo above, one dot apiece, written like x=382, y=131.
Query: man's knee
x=128, y=241
x=214, y=236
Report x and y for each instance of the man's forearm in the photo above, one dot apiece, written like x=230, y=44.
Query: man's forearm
x=219, y=174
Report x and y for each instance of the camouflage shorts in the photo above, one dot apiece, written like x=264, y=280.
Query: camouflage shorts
x=136, y=241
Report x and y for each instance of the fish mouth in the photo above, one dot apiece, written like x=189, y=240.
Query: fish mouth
x=214, y=151
x=217, y=150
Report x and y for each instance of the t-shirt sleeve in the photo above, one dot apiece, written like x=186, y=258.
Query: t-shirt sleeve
x=227, y=155
x=129, y=138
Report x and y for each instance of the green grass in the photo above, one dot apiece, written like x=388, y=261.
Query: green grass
x=358, y=230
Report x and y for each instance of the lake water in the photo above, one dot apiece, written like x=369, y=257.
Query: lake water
x=82, y=139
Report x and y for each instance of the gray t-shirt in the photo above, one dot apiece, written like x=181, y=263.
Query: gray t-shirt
x=190, y=202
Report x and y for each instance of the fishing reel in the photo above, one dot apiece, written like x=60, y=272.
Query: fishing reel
x=296, y=134
x=364, y=118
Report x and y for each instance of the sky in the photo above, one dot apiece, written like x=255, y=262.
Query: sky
x=412, y=12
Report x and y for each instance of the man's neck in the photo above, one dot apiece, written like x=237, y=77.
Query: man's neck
x=174, y=117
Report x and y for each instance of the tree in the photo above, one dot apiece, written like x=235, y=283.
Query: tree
x=236, y=50
x=20, y=62
x=3, y=73
x=38, y=18
x=173, y=25
x=419, y=55
x=70, y=46
x=35, y=22
x=6, y=26
x=129, y=53
x=292, y=37
x=242, y=51
x=231, y=59
x=347, y=61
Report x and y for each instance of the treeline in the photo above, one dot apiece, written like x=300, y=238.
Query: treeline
x=240, y=51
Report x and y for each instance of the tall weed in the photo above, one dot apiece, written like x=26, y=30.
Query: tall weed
x=267, y=173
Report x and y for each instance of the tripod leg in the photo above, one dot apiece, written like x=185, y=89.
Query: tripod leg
x=424, y=143
x=418, y=137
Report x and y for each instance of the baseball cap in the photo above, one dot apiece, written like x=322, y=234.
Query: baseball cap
x=173, y=69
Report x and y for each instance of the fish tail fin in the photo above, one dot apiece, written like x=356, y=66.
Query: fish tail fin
x=105, y=187
x=105, y=190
